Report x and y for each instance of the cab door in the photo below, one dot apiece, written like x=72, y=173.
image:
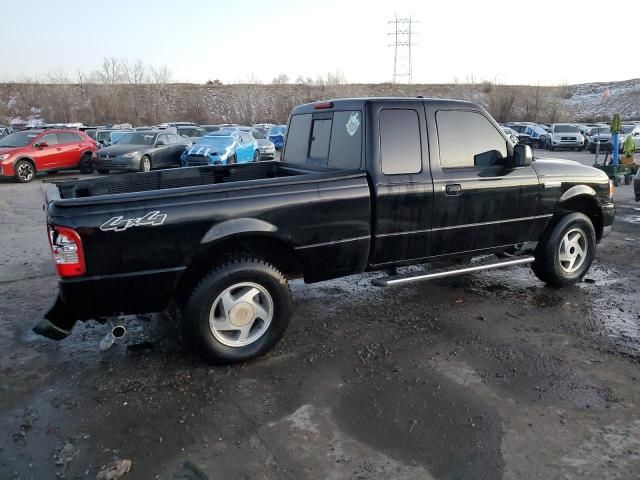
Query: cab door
x=401, y=181
x=480, y=202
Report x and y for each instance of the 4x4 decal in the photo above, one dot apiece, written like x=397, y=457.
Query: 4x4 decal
x=120, y=224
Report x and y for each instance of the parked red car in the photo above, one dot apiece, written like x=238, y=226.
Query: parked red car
x=23, y=154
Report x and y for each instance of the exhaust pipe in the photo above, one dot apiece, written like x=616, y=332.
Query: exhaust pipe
x=109, y=339
x=118, y=331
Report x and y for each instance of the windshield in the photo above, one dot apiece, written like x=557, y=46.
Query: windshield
x=138, y=138
x=277, y=131
x=115, y=136
x=258, y=135
x=19, y=139
x=103, y=135
x=565, y=129
x=189, y=132
x=214, y=141
x=627, y=129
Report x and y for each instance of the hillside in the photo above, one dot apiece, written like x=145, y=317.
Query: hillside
x=143, y=104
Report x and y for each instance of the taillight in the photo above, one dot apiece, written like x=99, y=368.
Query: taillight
x=322, y=105
x=66, y=248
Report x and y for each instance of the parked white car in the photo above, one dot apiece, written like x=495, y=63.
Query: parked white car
x=564, y=135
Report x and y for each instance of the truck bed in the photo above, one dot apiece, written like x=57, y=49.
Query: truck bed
x=180, y=178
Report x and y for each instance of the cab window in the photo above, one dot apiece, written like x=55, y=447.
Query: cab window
x=400, y=147
x=468, y=139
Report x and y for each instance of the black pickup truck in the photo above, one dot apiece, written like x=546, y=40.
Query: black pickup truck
x=364, y=185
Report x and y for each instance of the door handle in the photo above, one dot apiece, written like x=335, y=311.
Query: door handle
x=58, y=149
x=453, y=190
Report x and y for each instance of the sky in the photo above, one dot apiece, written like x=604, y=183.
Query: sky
x=546, y=42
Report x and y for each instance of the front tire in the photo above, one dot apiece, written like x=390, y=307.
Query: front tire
x=24, y=171
x=239, y=311
x=565, y=256
x=256, y=156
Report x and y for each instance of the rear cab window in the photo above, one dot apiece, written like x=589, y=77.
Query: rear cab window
x=332, y=139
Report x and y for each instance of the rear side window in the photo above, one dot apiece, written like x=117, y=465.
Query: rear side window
x=346, y=140
x=66, y=138
x=400, y=148
x=468, y=139
x=334, y=139
x=298, y=139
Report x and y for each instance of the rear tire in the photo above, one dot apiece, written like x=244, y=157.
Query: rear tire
x=565, y=256
x=85, y=164
x=145, y=164
x=239, y=311
x=24, y=171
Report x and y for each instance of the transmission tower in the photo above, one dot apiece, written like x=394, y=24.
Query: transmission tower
x=402, y=34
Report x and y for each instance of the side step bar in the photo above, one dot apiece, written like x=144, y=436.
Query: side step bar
x=447, y=272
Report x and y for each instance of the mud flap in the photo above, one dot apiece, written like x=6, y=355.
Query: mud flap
x=57, y=322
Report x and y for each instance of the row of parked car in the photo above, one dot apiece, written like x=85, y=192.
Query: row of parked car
x=124, y=148
x=571, y=135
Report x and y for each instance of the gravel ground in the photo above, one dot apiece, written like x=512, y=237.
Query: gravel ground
x=485, y=376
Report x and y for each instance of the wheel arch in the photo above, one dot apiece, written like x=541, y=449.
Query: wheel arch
x=582, y=199
x=28, y=159
x=235, y=241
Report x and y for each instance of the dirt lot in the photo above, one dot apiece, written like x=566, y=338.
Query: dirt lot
x=479, y=377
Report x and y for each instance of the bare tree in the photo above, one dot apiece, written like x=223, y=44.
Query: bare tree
x=335, y=78
x=281, y=79
x=159, y=78
x=135, y=75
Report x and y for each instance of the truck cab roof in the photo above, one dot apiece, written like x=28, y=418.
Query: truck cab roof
x=359, y=103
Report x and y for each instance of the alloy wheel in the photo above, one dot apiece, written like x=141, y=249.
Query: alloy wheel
x=573, y=250
x=241, y=314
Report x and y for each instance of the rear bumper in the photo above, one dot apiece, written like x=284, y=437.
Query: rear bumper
x=95, y=297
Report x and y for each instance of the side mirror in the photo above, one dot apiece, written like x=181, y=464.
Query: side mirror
x=159, y=143
x=522, y=155
x=41, y=145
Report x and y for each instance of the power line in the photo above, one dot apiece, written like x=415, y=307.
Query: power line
x=402, y=32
